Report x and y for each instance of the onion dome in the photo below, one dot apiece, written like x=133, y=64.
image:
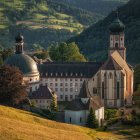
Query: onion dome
x=19, y=38
x=117, y=25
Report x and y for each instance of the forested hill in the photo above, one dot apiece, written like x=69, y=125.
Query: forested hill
x=102, y=7
x=43, y=22
x=94, y=41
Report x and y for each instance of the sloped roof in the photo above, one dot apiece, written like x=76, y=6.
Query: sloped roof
x=76, y=105
x=43, y=92
x=110, y=64
x=84, y=92
x=121, y=62
x=69, y=69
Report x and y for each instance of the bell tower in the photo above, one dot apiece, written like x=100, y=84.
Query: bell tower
x=19, y=43
x=117, y=37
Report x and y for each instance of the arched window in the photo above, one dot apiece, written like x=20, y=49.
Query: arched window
x=118, y=91
x=110, y=75
x=116, y=45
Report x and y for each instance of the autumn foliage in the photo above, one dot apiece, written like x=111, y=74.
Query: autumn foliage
x=12, y=91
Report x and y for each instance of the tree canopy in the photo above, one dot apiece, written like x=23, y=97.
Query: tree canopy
x=12, y=90
x=66, y=52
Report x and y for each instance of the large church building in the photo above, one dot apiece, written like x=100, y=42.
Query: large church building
x=111, y=82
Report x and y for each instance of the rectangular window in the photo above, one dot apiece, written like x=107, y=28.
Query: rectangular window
x=56, y=89
x=61, y=84
x=66, y=84
x=61, y=96
x=51, y=84
x=71, y=97
x=56, y=84
x=66, y=97
x=71, y=89
x=61, y=89
x=66, y=89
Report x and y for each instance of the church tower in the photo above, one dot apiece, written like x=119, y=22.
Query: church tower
x=19, y=44
x=117, y=38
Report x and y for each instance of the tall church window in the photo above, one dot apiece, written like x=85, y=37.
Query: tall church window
x=116, y=45
x=118, y=92
x=103, y=90
x=110, y=76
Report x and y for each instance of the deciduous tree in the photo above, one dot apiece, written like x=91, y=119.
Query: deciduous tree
x=12, y=91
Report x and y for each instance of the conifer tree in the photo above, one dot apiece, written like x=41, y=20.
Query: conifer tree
x=91, y=120
x=53, y=105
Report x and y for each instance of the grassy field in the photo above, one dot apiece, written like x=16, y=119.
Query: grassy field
x=21, y=125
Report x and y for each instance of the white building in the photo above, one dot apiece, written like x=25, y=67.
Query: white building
x=77, y=110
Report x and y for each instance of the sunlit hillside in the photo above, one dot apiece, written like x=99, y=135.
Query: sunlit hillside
x=21, y=125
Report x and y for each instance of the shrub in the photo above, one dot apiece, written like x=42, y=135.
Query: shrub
x=131, y=120
x=110, y=113
x=113, y=120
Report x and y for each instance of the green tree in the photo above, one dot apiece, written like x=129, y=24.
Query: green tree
x=41, y=54
x=53, y=105
x=12, y=91
x=66, y=52
x=91, y=120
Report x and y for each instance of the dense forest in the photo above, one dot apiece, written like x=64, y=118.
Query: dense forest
x=43, y=22
x=94, y=41
x=102, y=7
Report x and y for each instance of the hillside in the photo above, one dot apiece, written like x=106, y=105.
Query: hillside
x=94, y=41
x=102, y=7
x=42, y=22
x=17, y=124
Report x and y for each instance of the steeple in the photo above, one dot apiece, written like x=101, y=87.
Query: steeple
x=117, y=37
x=19, y=43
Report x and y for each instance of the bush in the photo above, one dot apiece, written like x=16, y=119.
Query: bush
x=110, y=113
x=113, y=120
x=131, y=120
